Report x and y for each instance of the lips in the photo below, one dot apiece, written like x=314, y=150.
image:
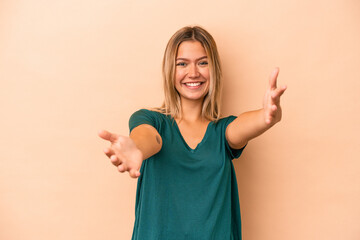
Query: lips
x=193, y=85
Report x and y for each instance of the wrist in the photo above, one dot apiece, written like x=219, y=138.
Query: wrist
x=139, y=154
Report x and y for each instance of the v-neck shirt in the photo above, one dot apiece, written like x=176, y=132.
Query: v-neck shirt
x=183, y=139
x=185, y=193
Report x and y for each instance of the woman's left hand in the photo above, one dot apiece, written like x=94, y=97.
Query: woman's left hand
x=272, y=109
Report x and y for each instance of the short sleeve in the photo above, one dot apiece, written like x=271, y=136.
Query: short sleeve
x=233, y=153
x=144, y=116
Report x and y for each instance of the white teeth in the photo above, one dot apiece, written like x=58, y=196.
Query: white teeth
x=192, y=84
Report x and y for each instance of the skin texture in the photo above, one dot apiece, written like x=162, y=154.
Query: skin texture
x=128, y=153
x=192, y=67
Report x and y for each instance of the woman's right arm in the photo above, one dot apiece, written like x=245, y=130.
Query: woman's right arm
x=128, y=153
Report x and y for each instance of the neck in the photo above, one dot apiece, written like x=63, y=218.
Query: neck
x=191, y=110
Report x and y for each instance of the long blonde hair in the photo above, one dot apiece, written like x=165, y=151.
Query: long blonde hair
x=211, y=104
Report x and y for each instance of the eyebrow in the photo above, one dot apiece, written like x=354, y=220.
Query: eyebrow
x=188, y=59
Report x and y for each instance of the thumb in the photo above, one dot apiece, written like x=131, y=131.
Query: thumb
x=107, y=135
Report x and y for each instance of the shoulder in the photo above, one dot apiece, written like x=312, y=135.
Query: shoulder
x=233, y=152
x=143, y=112
x=225, y=121
x=221, y=125
x=146, y=116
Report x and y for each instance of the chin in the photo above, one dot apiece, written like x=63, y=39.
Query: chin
x=194, y=98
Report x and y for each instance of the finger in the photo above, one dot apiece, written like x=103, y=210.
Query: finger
x=134, y=174
x=271, y=113
x=121, y=168
x=273, y=110
x=109, y=152
x=277, y=93
x=268, y=120
x=115, y=160
x=273, y=78
x=107, y=135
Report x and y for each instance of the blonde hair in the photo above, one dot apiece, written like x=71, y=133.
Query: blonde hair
x=211, y=104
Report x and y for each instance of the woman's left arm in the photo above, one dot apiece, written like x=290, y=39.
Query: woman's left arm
x=251, y=124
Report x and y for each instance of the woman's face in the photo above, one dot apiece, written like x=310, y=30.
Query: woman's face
x=192, y=77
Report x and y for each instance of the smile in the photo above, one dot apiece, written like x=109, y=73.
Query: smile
x=193, y=84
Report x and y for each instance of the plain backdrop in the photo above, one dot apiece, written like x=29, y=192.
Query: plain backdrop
x=71, y=68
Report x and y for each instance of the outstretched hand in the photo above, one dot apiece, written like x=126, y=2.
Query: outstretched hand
x=272, y=109
x=123, y=153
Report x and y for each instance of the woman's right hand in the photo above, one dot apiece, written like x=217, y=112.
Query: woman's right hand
x=123, y=153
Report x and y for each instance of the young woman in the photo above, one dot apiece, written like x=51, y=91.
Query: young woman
x=181, y=153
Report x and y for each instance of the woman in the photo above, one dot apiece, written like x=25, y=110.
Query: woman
x=181, y=153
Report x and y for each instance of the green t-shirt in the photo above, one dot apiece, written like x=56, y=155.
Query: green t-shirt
x=185, y=193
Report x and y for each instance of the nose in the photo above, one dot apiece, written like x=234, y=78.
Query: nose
x=193, y=71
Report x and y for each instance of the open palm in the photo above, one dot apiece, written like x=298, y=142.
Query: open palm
x=123, y=153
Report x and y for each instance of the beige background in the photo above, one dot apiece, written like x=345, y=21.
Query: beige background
x=70, y=68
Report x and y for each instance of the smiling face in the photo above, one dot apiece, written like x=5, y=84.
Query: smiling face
x=192, y=75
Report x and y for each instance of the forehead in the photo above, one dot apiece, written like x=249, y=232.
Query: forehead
x=191, y=49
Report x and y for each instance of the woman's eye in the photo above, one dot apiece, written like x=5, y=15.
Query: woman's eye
x=203, y=63
x=181, y=64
